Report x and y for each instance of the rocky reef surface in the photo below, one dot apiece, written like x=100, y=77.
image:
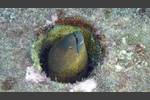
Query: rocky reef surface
x=126, y=65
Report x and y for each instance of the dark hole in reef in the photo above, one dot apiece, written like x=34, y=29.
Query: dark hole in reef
x=97, y=56
x=44, y=63
x=44, y=58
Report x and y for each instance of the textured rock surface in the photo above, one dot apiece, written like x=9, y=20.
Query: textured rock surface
x=126, y=66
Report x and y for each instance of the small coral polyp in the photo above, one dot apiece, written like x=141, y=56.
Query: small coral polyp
x=65, y=52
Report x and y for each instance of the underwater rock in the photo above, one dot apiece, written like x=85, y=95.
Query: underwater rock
x=9, y=83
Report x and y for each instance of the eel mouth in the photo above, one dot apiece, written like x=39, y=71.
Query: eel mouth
x=95, y=49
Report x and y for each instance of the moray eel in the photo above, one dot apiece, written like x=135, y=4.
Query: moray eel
x=63, y=52
x=68, y=57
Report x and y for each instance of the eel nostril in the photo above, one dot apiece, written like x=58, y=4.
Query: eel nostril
x=79, y=40
x=77, y=43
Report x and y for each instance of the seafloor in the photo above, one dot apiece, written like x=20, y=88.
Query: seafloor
x=126, y=66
